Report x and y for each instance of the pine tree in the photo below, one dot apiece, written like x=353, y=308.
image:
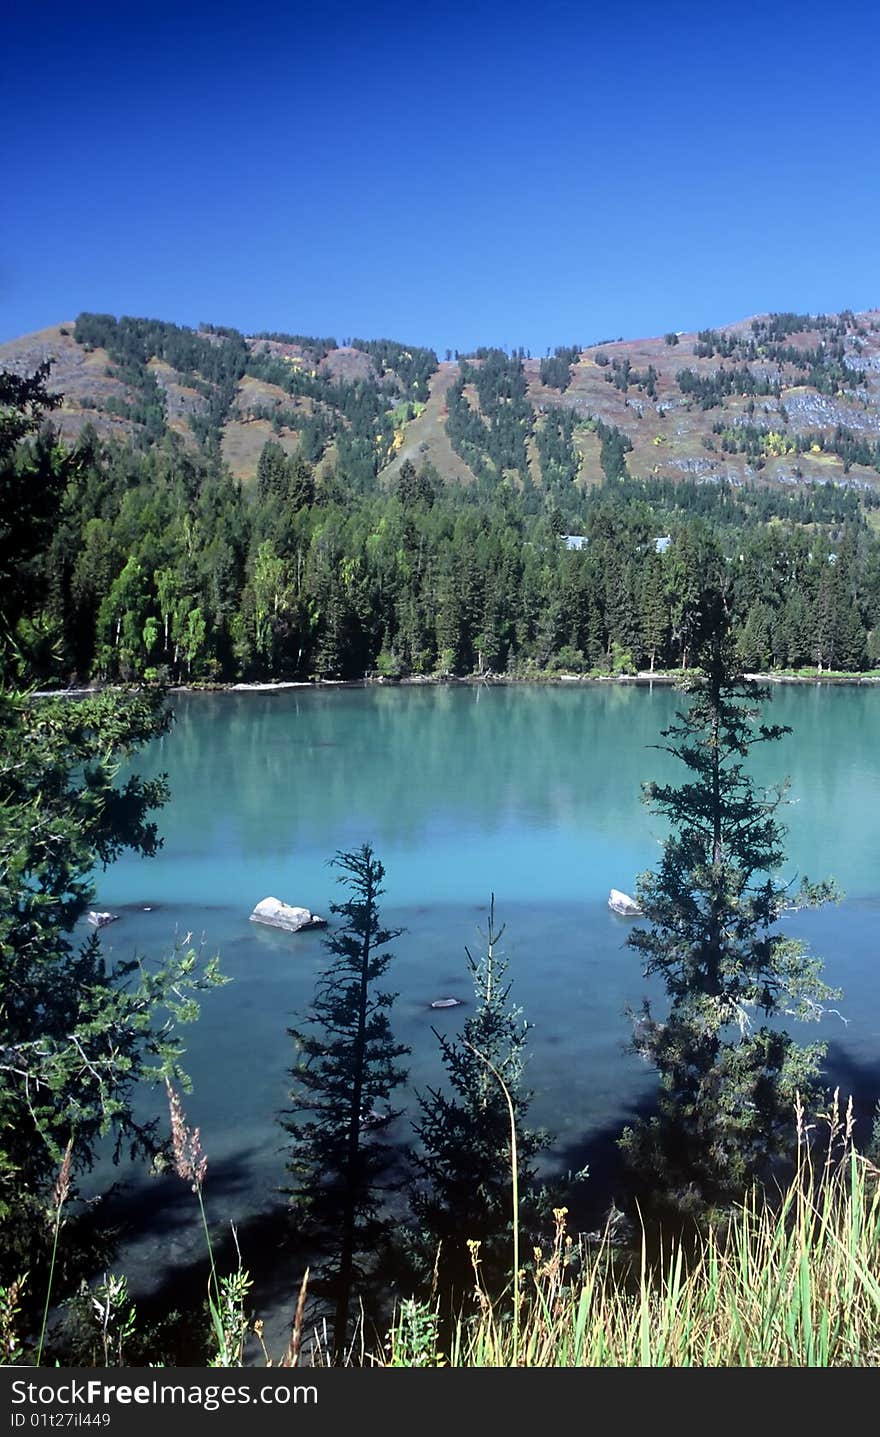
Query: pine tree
x=654, y=609
x=449, y=627
x=336, y=633
x=272, y=475
x=795, y=630
x=621, y=610
x=695, y=571
x=464, y=1189
x=300, y=483
x=851, y=639
x=754, y=641
x=727, y=1087
x=340, y=1160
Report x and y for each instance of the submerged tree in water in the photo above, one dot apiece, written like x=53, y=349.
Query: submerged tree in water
x=728, y=1080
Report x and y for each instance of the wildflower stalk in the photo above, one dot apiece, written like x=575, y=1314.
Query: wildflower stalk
x=61, y=1190
x=514, y=1180
x=191, y=1164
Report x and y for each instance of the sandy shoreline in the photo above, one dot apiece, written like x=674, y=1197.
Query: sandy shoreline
x=487, y=680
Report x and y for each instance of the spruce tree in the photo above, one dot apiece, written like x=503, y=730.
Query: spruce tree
x=340, y=1158
x=654, y=609
x=727, y=1080
x=795, y=628
x=272, y=474
x=463, y=1190
x=754, y=641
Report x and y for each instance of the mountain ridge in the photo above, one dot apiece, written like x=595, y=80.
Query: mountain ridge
x=777, y=398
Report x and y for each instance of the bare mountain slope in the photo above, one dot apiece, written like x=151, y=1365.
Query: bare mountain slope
x=780, y=399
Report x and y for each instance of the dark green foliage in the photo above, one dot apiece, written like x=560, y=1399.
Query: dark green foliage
x=467, y=431
x=654, y=610
x=33, y=476
x=288, y=481
x=824, y=366
x=711, y=390
x=414, y=366
x=356, y=414
x=500, y=435
x=740, y=507
x=710, y=342
x=78, y=1033
x=559, y=459
x=120, y=565
x=340, y=1160
x=158, y=565
x=415, y=489
x=838, y=639
x=556, y=368
x=622, y=375
x=696, y=573
x=851, y=448
x=615, y=447
x=463, y=1164
x=727, y=1084
x=213, y=363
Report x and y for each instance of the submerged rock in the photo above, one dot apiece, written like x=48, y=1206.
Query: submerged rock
x=624, y=905
x=283, y=915
x=100, y=920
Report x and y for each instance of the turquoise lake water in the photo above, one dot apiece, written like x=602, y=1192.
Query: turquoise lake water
x=530, y=792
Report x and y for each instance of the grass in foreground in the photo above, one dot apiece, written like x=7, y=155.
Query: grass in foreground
x=796, y=1284
x=788, y=1283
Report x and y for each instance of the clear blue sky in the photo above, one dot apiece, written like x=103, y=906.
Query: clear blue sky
x=448, y=174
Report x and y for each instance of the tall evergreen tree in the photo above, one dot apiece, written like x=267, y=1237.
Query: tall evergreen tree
x=696, y=572
x=754, y=644
x=272, y=473
x=727, y=1086
x=795, y=630
x=654, y=609
x=340, y=1160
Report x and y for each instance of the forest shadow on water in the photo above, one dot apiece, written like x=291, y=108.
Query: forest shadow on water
x=156, y=1227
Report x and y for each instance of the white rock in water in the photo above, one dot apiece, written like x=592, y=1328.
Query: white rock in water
x=624, y=905
x=282, y=915
x=100, y=920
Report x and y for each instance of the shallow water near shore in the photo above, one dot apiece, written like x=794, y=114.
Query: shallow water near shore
x=530, y=793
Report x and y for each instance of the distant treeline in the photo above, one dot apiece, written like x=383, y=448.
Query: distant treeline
x=163, y=565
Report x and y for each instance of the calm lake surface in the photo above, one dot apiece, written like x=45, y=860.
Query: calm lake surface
x=530, y=792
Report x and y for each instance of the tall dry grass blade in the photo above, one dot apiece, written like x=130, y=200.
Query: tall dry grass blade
x=291, y=1356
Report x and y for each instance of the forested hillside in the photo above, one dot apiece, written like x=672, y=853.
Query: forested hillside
x=783, y=397
x=283, y=506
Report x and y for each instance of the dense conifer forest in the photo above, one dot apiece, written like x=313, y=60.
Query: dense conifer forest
x=339, y=558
